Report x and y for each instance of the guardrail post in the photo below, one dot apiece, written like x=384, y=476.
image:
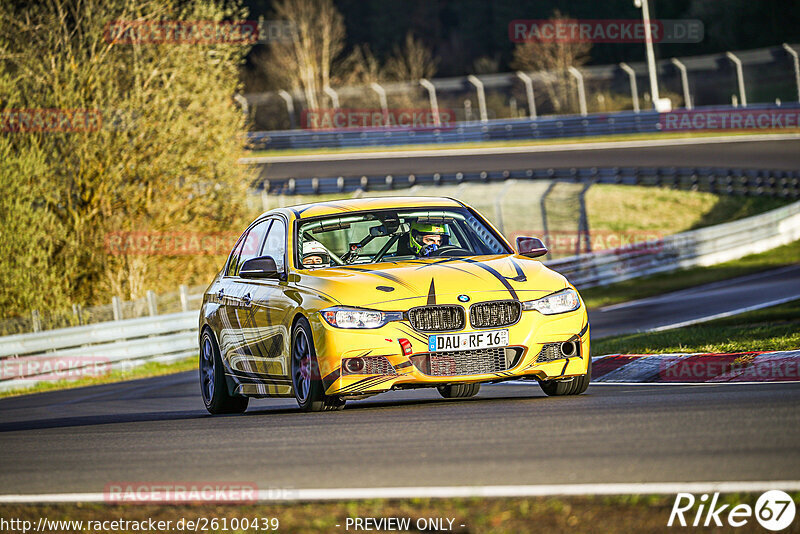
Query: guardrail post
x=289, y=107
x=116, y=307
x=796, y=62
x=543, y=209
x=528, y=92
x=78, y=313
x=242, y=101
x=583, y=222
x=581, y=90
x=152, y=306
x=474, y=80
x=184, y=297
x=36, y=321
x=265, y=196
x=432, y=97
x=634, y=91
x=687, y=100
x=739, y=76
x=498, y=205
x=382, y=97
x=333, y=95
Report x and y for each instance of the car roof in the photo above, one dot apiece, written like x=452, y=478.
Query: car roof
x=340, y=206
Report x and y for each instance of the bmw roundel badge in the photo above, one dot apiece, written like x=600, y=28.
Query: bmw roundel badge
x=463, y=298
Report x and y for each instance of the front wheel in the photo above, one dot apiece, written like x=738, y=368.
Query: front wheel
x=576, y=386
x=458, y=391
x=306, y=382
x=212, y=380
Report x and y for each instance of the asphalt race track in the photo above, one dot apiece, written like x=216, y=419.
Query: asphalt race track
x=157, y=430
x=688, y=305
x=783, y=155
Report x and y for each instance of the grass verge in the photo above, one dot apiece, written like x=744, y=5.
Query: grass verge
x=611, y=515
x=596, y=297
x=146, y=370
x=503, y=144
x=774, y=328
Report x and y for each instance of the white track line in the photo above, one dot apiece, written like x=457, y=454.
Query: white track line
x=478, y=151
x=442, y=492
x=725, y=314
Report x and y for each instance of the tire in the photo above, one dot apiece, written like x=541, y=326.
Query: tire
x=576, y=386
x=458, y=391
x=213, y=385
x=306, y=381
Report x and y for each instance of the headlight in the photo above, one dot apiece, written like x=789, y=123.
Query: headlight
x=357, y=318
x=561, y=302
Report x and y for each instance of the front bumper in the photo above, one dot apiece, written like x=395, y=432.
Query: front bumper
x=530, y=334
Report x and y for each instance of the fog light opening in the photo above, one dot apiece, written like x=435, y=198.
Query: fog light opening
x=569, y=349
x=354, y=365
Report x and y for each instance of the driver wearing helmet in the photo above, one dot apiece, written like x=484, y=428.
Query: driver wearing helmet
x=315, y=255
x=425, y=239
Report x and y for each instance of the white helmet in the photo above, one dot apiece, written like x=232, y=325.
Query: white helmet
x=315, y=255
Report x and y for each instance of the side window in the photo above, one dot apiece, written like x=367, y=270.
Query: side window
x=233, y=264
x=275, y=245
x=252, y=243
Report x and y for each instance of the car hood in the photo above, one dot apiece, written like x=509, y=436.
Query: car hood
x=403, y=285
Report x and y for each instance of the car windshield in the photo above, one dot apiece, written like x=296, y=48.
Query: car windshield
x=395, y=235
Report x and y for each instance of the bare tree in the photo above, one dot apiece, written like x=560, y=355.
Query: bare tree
x=411, y=62
x=554, y=58
x=360, y=67
x=305, y=61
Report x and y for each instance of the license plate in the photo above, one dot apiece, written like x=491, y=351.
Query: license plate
x=469, y=341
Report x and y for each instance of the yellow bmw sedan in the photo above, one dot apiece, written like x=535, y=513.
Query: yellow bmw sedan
x=342, y=300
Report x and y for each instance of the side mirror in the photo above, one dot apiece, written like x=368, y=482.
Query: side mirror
x=532, y=247
x=261, y=267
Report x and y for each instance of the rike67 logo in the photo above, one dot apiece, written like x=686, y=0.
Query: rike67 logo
x=774, y=510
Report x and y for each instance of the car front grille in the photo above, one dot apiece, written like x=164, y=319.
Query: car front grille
x=494, y=314
x=437, y=318
x=467, y=362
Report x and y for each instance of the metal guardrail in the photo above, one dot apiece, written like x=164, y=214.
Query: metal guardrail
x=96, y=349
x=705, y=246
x=173, y=337
x=719, y=180
x=549, y=127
